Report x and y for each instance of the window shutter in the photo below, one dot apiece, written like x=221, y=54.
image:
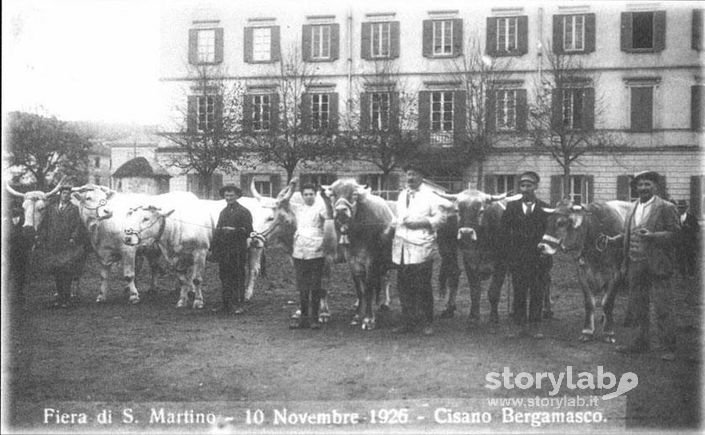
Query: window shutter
x=556, y=189
x=193, y=46
x=334, y=41
x=696, y=195
x=333, y=107
x=218, y=113
x=275, y=48
x=641, y=109
x=557, y=109
x=589, y=188
x=191, y=121
x=425, y=115
x=459, y=115
x=306, y=42
x=523, y=35
x=558, y=34
x=427, y=38
x=457, y=37
x=626, y=34
x=305, y=111
x=590, y=33
x=624, y=188
x=697, y=107
x=248, y=44
x=522, y=109
x=219, y=45
x=659, y=30
x=697, y=30
x=364, y=111
x=245, y=181
x=247, y=112
x=394, y=39
x=274, y=112
x=394, y=120
x=491, y=43
x=490, y=109
x=490, y=185
x=589, y=109
x=365, y=41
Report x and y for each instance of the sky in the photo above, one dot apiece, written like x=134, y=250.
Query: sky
x=95, y=60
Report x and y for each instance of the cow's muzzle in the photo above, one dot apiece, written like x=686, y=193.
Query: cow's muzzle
x=132, y=237
x=549, y=245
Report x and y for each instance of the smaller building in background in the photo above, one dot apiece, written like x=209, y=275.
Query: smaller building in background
x=139, y=176
x=99, y=164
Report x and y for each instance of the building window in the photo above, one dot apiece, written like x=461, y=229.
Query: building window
x=642, y=108
x=96, y=162
x=443, y=38
x=206, y=46
x=578, y=189
x=380, y=39
x=261, y=109
x=205, y=112
x=264, y=187
x=504, y=183
x=318, y=179
x=506, y=109
x=261, y=44
x=507, y=34
x=642, y=30
x=574, y=32
x=451, y=183
x=320, y=111
x=320, y=42
x=442, y=111
x=379, y=111
x=572, y=108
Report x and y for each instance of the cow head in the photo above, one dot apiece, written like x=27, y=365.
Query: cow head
x=34, y=204
x=92, y=201
x=345, y=194
x=564, y=228
x=281, y=224
x=144, y=225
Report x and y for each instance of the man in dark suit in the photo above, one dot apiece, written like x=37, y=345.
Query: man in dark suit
x=523, y=225
x=688, y=240
x=650, y=231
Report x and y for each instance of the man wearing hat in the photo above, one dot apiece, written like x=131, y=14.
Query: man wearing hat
x=61, y=236
x=688, y=240
x=413, y=248
x=524, y=224
x=230, y=248
x=649, y=232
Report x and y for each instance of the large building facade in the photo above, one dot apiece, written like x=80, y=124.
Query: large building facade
x=641, y=65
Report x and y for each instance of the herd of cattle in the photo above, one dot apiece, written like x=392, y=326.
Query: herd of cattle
x=179, y=227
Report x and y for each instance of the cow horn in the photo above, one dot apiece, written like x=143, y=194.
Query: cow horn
x=516, y=197
x=494, y=198
x=254, y=191
x=448, y=196
x=549, y=210
x=577, y=207
x=13, y=191
x=57, y=187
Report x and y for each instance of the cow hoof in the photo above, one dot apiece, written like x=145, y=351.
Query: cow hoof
x=368, y=325
x=384, y=307
x=100, y=300
x=134, y=299
x=296, y=315
x=181, y=303
x=324, y=317
x=609, y=339
x=355, y=320
x=586, y=337
x=198, y=304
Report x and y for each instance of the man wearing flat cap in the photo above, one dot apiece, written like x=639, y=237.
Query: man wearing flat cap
x=524, y=224
x=230, y=249
x=649, y=232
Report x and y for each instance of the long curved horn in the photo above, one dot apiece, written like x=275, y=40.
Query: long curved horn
x=549, y=210
x=13, y=191
x=516, y=197
x=254, y=191
x=57, y=187
x=449, y=196
x=494, y=198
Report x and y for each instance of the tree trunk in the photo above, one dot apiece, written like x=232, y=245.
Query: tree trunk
x=566, y=180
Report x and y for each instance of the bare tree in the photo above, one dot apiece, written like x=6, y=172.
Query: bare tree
x=44, y=146
x=563, y=114
x=210, y=139
x=296, y=135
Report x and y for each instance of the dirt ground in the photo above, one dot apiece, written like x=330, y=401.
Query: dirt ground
x=93, y=355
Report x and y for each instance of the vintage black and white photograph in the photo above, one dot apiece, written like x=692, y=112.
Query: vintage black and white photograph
x=352, y=217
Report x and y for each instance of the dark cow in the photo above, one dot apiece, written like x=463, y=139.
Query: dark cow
x=582, y=231
x=480, y=242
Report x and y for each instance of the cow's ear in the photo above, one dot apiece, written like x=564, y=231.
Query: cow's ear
x=76, y=196
x=110, y=194
x=576, y=219
x=168, y=212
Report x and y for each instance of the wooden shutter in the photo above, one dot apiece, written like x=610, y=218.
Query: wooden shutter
x=248, y=44
x=394, y=39
x=459, y=115
x=626, y=31
x=274, y=112
x=191, y=114
x=557, y=109
x=490, y=185
x=365, y=41
x=558, y=34
x=491, y=43
x=245, y=181
x=556, y=189
x=305, y=111
x=275, y=44
x=659, y=30
x=590, y=33
x=306, y=42
x=697, y=30
x=696, y=195
x=522, y=109
x=624, y=188
x=589, y=188
x=457, y=37
x=334, y=41
x=491, y=109
x=193, y=46
x=365, y=111
x=427, y=38
x=641, y=108
x=589, y=109
x=394, y=120
x=247, y=112
x=697, y=107
x=218, y=45
x=425, y=115
x=523, y=34
x=333, y=108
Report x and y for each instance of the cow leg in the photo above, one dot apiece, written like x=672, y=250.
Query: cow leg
x=199, y=265
x=184, y=289
x=608, y=308
x=360, y=302
x=475, y=290
x=254, y=259
x=128, y=273
x=104, y=282
x=324, y=310
x=386, y=282
x=495, y=290
x=588, y=331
